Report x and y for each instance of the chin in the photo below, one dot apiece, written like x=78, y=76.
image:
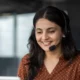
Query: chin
x=46, y=50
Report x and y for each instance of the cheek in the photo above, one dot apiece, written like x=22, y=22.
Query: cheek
x=57, y=36
x=37, y=37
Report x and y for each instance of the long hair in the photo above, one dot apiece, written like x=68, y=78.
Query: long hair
x=37, y=55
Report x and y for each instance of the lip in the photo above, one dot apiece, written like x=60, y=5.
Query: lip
x=46, y=43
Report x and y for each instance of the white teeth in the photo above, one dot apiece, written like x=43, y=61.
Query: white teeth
x=46, y=43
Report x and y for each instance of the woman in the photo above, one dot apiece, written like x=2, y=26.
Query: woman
x=53, y=55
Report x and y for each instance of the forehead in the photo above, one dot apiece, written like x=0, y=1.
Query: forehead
x=44, y=24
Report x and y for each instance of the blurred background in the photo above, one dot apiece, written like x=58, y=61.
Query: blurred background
x=16, y=18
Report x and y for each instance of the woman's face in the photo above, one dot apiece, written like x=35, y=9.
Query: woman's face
x=47, y=33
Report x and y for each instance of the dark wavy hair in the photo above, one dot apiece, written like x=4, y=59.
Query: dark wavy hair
x=37, y=55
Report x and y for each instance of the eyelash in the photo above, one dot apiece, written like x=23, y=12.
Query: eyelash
x=39, y=32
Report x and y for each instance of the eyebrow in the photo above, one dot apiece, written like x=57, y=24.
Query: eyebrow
x=51, y=28
x=47, y=28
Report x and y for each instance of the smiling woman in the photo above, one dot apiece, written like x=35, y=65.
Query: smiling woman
x=51, y=28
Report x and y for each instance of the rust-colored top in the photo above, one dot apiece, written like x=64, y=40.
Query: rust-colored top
x=60, y=72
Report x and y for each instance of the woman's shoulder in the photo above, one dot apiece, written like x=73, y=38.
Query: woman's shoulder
x=77, y=60
x=25, y=59
x=23, y=67
x=78, y=56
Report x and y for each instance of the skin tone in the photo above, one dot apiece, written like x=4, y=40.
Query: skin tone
x=47, y=34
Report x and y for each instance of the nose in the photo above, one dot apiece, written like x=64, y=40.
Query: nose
x=45, y=36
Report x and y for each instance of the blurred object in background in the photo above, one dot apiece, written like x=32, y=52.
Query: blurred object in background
x=14, y=32
x=9, y=78
x=8, y=66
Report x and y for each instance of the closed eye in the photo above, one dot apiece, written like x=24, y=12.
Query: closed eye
x=39, y=32
x=51, y=31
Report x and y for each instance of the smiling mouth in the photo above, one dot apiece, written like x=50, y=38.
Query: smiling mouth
x=46, y=43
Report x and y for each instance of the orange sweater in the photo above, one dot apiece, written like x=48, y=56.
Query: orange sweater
x=60, y=72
